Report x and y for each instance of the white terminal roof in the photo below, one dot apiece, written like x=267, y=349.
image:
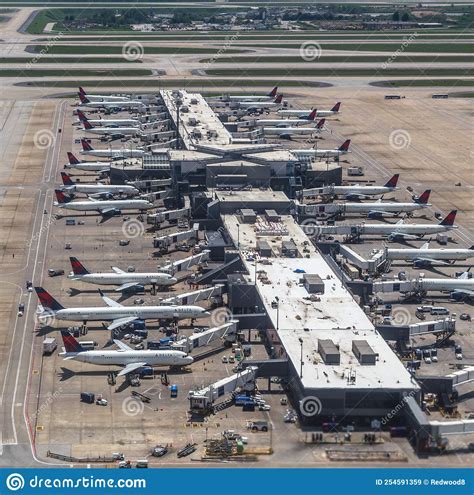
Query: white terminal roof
x=335, y=316
x=213, y=132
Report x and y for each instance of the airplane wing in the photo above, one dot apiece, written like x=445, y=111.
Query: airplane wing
x=395, y=233
x=117, y=270
x=126, y=286
x=431, y=261
x=121, y=321
x=108, y=301
x=463, y=292
x=92, y=199
x=105, y=211
x=130, y=368
x=381, y=213
x=123, y=346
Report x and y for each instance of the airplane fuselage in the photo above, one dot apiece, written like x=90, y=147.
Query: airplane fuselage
x=119, y=204
x=101, y=188
x=125, y=278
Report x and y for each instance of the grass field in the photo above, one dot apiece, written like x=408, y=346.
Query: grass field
x=116, y=50
x=325, y=59
x=74, y=72
x=67, y=60
x=336, y=72
x=453, y=47
x=452, y=83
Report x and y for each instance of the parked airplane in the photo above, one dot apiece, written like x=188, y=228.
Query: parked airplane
x=269, y=96
x=98, y=189
x=106, y=122
x=101, y=130
x=319, y=113
x=81, y=92
x=86, y=166
x=106, y=207
x=123, y=104
x=116, y=154
x=424, y=256
x=376, y=209
x=279, y=122
x=288, y=132
x=131, y=360
x=116, y=313
x=353, y=192
x=320, y=153
x=251, y=106
x=393, y=232
x=125, y=280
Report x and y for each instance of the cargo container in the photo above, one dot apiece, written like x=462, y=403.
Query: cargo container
x=153, y=344
x=87, y=397
x=49, y=345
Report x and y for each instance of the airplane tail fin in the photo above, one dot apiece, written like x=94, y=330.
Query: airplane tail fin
x=47, y=300
x=87, y=124
x=66, y=179
x=320, y=124
x=393, y=181
x=273, y=92
x=336, y=107
x=81, y=91
x=77, y=267
x=313, y=114
x=86, y=146
x=70, y=343
x=345, y=145
x=61, y=198
x=448, y=221
x=279, y=99
x=81, y=116
x=83, y=98
x=424, y=198
x=72, y=159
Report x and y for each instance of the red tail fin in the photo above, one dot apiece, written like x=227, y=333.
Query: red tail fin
x=86, y=146
x=77, y=267
x=273, y=92
x=279, y=99
x=72, y=159
x=312, y=115
x=320, y=124
x=81, y=116
x=449, y=220
x=393, y=181
x=423, y=199
x=87, y=124
x=345, y=145
x=83, y=98
x=70, y=343
x=336, y=107
x=66, y=179
x=60, y=197
x=47, y=300
x=81, y=91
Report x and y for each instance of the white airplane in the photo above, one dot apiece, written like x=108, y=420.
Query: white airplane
x=269, y=96
x=131, y=360
x=424, y=256
x=116, y=154
x=393, y=232
x=112, y=98
x=107, y=122
x=260, y=105
x=96, y=190
x=278, y=122
x=376, y=209
x=106, y=207
x=288, y=132
x=111, y=131
x=125, y=280
x=352, y=192
x=86, y=166
x=116, y=313
x=319, y=113
x=320, y=153
x=123, y=104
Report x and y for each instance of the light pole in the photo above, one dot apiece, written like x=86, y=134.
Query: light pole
x=278, y=311
x=301, y=357
x=238, y=237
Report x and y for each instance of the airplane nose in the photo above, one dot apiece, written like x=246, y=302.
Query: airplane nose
x=206, y=313
x=188, y=360
x=173, y=280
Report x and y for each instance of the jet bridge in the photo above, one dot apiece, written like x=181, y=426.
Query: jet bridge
x=371, y=266
x=201, y=400
x=197, y=295
x=446, y=325
x=160, y=217
x=150, y=185
x=227, y=332
x=164, y=242
x=186, y=263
